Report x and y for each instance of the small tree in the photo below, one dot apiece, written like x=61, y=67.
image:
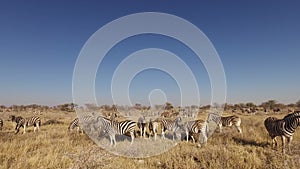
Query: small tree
x=250, y=105
x=270, y=104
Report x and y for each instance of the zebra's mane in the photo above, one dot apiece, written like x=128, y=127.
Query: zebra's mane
x=105, y=118
x=293, y=115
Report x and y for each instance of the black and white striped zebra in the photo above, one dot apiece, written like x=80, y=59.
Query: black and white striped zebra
x=1, y=124
x=153, y=128
x=194, y=127
x=88, y=123
x=230, y=121
x=285, y=128
x=74, y=124
x=27, y=122
x=171, y=126
x=142, y=126
x=115, y=127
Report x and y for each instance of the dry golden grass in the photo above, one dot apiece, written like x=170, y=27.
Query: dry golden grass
x=54, y=147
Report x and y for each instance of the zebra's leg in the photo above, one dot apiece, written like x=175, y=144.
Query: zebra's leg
x=16, y=129
x=24, y=131
x=144, y=131
x=34, y=128
x=111, y=139
x=283, y=144
x=193, y=139
x=155, y=135
x=141, y=131
x=163, y=133
x=289, y=139
x=220, y=128
x=204, y=137
x=174, y=136
x=274, y=142
x=239, y=129
x=114, y=140
x=151, y=133
x=187, y=136
x=132, y=137
x=38, y=126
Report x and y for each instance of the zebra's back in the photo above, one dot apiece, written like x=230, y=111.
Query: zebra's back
x=124, y=127
x=171, y=125
x=194, y=126
x=33, y=121
x=230, y=120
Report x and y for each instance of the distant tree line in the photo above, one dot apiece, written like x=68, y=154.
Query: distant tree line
x=270, y=105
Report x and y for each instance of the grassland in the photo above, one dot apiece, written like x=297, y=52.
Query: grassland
x=55, y=147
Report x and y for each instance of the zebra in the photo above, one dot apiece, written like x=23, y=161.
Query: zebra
x=153, y=127
x=142, y=126
x=30, y=121
x=170, y=125
x=1, y=124
x=196, y=126
x=285, y=128
x=74, y=124
x=88, y=122
x=115, y=127
x=229, y=121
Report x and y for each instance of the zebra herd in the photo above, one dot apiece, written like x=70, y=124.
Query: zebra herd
x=113, y=127
x=284, y=128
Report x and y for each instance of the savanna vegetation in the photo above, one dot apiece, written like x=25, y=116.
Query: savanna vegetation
x=55, y=147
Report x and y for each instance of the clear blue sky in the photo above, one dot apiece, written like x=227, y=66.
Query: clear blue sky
x=258, y=43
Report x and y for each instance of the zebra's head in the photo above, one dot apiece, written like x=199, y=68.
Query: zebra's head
x=178, y=120
x=12, y=117
x=214, y=117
